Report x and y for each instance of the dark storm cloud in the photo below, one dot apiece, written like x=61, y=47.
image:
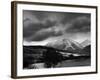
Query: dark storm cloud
x=41, y=25
x=80, y=24
x=44, y=33
x=35, y=21
x=31, y=28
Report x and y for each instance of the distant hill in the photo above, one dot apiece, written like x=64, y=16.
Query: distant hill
x=65, y=44
x=86, y=43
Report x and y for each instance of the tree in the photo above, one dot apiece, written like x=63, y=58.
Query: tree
x=52, y=58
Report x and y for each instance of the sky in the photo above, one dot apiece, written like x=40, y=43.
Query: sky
x=41, y=27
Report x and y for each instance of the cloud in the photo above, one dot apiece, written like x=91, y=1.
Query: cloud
x=45, y=33
x=35, y=21
x=39, y=25
x=31, y=28
x=80, y=24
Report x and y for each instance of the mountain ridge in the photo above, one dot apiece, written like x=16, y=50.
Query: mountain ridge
x=86, y=43
x=65, y=44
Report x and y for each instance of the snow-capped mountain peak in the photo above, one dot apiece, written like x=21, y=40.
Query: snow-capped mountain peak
x=65, y=44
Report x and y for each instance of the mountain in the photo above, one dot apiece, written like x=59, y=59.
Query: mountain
x=86, y=43
x=86, y=50
x=65, y=44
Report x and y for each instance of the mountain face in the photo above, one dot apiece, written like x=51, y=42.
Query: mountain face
x=65, y=44
x=86, y=50
x=86, y=43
